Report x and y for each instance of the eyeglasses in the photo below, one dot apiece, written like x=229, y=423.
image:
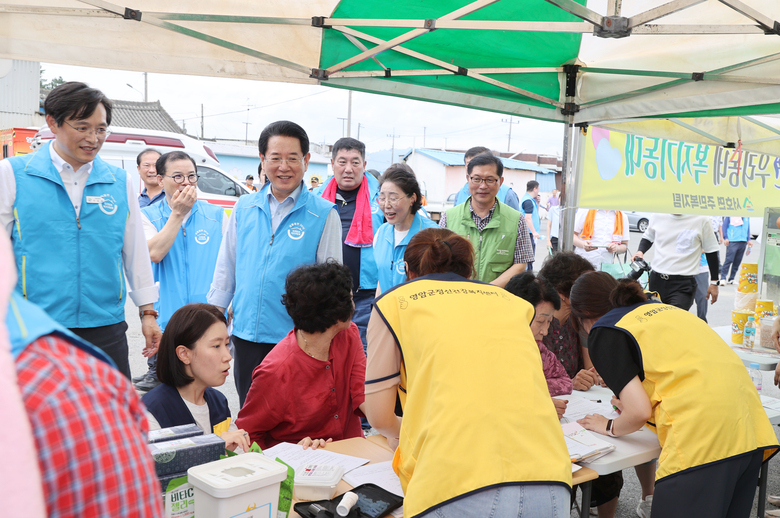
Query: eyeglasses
x=85, y=130
x=276, y=161
x=490, y=182
x=179, y=178
x=391, y=199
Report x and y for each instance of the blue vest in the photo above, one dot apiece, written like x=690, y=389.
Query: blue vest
x=503, y=192
x=26, y=323
x=264, y=258
x=71, y=267
x=166, y=405
x=186, y=272
x=535, y=215
x=368, y=268
x=740, y=233
x=390, y=256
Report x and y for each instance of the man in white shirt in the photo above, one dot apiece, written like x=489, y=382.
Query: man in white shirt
x=75, y=226
x=598, y=234
x=680, y=240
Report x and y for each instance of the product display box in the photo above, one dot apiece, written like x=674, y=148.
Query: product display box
x=174, y=433
x=179, y=455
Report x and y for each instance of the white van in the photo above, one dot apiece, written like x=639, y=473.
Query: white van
x=122, y=146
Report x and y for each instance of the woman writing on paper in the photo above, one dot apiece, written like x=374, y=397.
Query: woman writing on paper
x=598, y=234
x=479, y=433
x=674, y=374
x=192, y=360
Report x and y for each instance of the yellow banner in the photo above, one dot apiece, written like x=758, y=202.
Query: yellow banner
x=631, y=172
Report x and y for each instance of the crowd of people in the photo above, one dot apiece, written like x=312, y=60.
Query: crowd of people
x=342, y=306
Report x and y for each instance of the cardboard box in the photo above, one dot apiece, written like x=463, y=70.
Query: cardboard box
x=174, y=432
x=181, y=454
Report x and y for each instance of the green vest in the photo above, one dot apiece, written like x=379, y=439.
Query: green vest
x=494, y=247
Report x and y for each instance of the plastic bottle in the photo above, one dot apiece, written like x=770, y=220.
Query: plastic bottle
x=749, y=335
x=755, y=376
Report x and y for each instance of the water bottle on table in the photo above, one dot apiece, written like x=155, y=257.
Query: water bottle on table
x=749, y=339
x=755, y=376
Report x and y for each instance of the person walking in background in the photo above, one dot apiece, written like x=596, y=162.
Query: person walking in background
x=553, y=227
x=703, y=278
x=736, y=237
x=315, y=182
x=599, y=234
x=249, y=183
x=553, y=200
x=153, y=190
x=530, y=208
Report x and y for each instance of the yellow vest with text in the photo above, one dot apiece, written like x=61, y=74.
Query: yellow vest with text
x=704, y=405
x=477, y=412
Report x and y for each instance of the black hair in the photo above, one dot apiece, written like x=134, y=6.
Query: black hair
x=474, y=151
x=187, y=325
x=531, y=185
x=403, y=176
x=533, y=289
x=74, y=100
x=283, y=129
x=348, y=144
x=439, y=250
x=144, y=152
x=563, y=268
x=318, y=296
x=487, y=159
x=162, y=162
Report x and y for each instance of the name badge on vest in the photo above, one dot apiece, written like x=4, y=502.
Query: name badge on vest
x=106, y=203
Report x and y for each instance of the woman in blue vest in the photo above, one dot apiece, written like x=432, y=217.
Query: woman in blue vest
x=192, y=359
x=672, y=373
x=400, y=199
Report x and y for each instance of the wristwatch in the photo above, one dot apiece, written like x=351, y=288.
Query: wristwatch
x=143, y=312
x=609, y=429
x=715, y=283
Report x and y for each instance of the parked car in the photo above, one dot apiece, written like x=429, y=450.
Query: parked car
x=638, y=220
x=122, y=146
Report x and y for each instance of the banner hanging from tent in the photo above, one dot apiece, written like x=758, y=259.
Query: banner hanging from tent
x=632, y=172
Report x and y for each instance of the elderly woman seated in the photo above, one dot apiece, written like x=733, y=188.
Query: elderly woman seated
x=309, y=389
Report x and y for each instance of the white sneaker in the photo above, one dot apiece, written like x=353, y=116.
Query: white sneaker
x=774, y=500
x=644, y=507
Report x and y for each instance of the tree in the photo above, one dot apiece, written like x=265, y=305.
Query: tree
x=51, y=85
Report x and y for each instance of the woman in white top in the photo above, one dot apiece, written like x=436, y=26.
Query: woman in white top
x=192, y=359
x=598, y=234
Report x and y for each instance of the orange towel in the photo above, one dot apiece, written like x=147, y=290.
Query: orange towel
x=587, y=228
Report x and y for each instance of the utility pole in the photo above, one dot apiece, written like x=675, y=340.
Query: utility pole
x=392, y=153
x=201, y=121
x=510, y=121
x=246, y=133
x=343, y=130
x=358, y=135
x=349, y=115
x=146, y=87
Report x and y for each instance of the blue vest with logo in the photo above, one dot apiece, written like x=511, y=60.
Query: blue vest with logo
x=186, y=271
x=503, y=192
x=535, y=216
x=390, y=256
x=264, y=258
x=70, y=266
x=166, y=405
x=368, y=268
x=740, y=233
x=26, y=323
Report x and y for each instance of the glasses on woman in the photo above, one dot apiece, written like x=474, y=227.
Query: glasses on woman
x=85, y=129
x=476, y=180
x=179, y=178
x=392, y=199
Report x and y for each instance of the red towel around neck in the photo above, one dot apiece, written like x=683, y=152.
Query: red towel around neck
x=361, y=231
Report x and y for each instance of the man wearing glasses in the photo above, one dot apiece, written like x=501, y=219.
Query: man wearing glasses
x=502, y=244
x=270, y=233
x=183, y=235
x=75, y=225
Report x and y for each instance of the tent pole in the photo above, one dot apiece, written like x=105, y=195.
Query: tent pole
x=568, y=205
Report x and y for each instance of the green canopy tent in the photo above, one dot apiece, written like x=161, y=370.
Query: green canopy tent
x=571, y=61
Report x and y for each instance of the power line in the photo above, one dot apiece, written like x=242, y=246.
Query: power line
x=254, y=108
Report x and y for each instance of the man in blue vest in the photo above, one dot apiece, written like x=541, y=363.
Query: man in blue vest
x=153, y=190
x=75, y=226
x=183, y=235
x=531, y=211
x=269, y=234
x=355, y=193
x=736, y=237
x=505, y=193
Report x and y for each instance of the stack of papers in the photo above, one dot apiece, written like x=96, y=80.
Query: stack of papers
x=578, y=407
x=295, y=456
x=583, y=445
x=770, y=403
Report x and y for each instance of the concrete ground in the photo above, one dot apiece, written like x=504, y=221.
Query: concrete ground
x=718, y=314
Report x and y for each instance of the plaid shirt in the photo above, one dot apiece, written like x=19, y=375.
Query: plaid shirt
x=524, y=252
x=90, y=432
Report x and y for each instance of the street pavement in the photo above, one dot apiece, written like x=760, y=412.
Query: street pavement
x=718, y=314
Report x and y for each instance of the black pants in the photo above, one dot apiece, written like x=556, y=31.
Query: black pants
x=111, y=339
x=248, y=356
x=554, y=244
x=723, y=489
x=530, y=266
x=675, y=290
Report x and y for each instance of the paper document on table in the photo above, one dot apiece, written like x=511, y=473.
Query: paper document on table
x=294, y=455
x=578, y=407
x=770, y=402
x=583, y=445
x=380, y=473
x=575, y=468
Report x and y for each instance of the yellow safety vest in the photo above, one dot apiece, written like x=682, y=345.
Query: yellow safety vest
x=477, y=412
x=705, y=407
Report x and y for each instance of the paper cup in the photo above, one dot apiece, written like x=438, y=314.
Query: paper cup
x=738, y=321
x=748, y=278
x=764, y=308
